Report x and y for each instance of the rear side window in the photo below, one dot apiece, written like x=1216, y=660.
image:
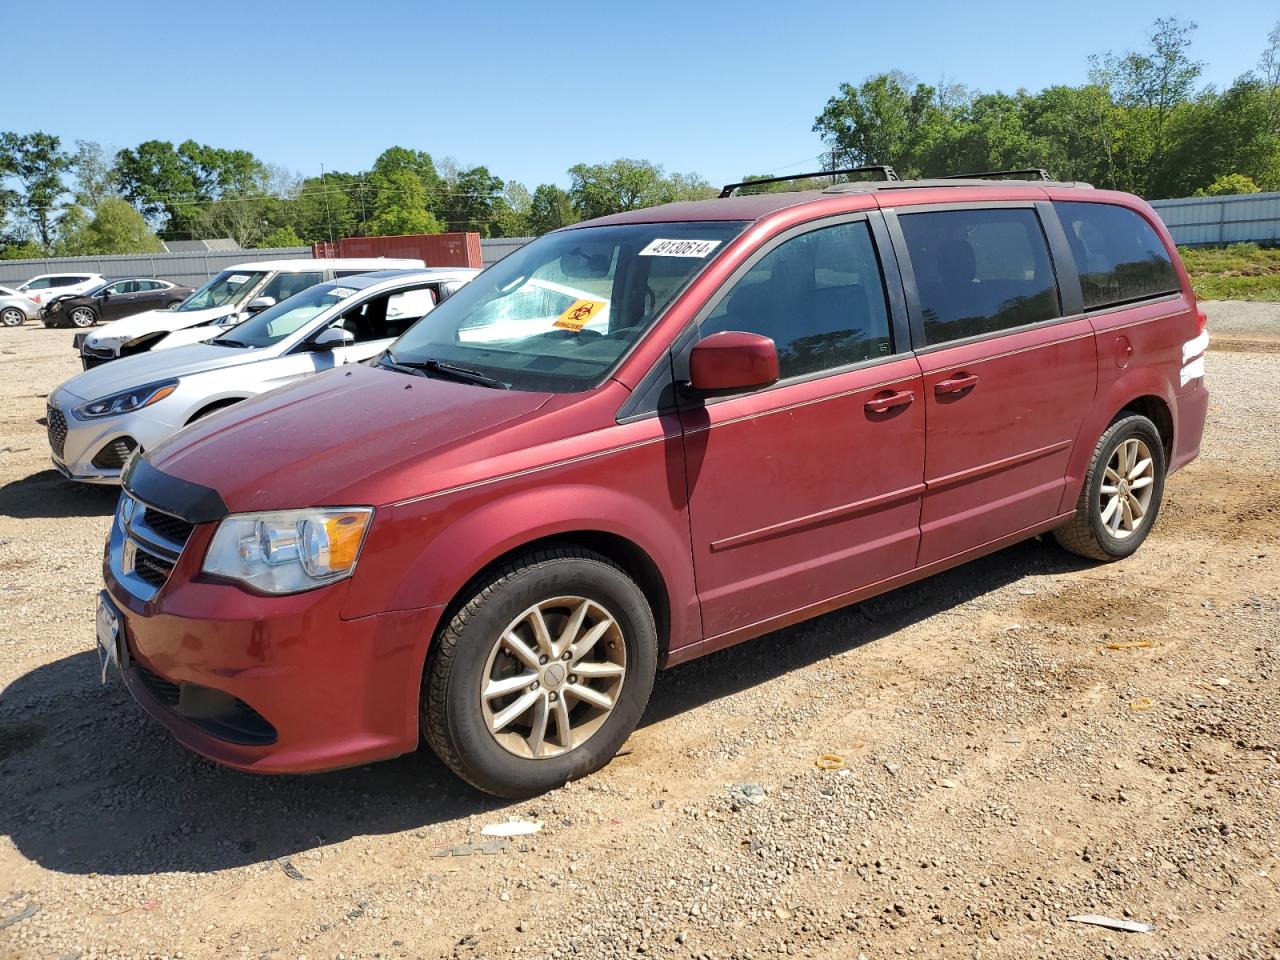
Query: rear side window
x=284, y=285
x=1119, y=255
x=818, y=296
x=979, y=271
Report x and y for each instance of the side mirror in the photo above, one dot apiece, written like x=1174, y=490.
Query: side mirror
x=332, y=338
x=106, y=293
x=732, y=361
x=260, y=303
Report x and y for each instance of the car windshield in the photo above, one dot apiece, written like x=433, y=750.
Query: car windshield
x=560, y=312
x=287, y=317
x=230, y=286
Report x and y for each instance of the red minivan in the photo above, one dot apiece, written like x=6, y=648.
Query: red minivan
x=641, y=439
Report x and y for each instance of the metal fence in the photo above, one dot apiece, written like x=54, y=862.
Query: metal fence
x=193, y=268
x=1209, y=221
x=190, y=269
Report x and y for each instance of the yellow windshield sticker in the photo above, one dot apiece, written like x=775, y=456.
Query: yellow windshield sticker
x=577, y=316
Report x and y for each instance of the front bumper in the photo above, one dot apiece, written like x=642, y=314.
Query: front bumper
x=321, y=692
x=94, y=451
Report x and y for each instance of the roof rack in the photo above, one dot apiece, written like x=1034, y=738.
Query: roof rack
x=1038, y=173
x=886, y=173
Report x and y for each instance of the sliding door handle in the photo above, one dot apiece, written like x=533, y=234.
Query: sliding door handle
x=885, y=402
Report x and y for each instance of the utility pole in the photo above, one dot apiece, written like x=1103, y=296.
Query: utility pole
x=324, y=189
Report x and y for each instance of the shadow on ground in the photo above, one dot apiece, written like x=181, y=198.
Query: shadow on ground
x=89, y=783
x=48, y=494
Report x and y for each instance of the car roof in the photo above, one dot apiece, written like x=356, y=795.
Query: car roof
x=757, y=206
x=304, y=264
x=78, y=273
x=363, y=281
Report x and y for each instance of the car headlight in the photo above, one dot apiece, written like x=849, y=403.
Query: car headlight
x=288, y=551
x=126, y=401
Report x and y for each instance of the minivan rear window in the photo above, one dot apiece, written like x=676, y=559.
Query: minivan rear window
x=979, y=271
x=1119, y=255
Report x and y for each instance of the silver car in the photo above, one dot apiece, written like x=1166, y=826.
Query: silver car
x=97, y=419
x=16, y=308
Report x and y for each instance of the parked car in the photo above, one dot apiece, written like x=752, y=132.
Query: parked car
x=40, y=288
x=800, y=401
x=98, y=418
x=15, y=307
x=231, y=296
x=113, y=300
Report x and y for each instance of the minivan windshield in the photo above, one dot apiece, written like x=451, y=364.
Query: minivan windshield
x=559, y=313
x=288, y=316
x=228, y=287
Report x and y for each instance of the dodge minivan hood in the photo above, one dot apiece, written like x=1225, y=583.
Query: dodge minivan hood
x=136, y=371
x=351, y=436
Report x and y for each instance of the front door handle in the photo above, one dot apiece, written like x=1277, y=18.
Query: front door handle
x=888, y=401
x=957, y=384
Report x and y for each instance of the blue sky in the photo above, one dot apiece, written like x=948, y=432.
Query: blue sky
x=531, y=88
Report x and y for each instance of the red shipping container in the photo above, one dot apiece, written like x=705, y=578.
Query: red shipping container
x=433, y=249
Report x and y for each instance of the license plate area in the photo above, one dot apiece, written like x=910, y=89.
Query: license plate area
x=110, y=634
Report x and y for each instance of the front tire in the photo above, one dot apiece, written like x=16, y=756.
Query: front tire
x=542, y=673
x=1122, y=492
x=12, y=317
x=82, y=317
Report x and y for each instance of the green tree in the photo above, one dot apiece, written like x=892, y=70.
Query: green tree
x=329, y=207
x=37, y=162
x=1228, y=185
x=604, y=188
x=23, y=250
x=281, y=237
x=95, y=175
x=170, y=185
x=550, y=208
x=473, y=202
x=399, y=205
x=116, y=227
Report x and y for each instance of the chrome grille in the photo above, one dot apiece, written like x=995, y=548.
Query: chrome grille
x=174, y=529
x=57, y=426
x=150, y=543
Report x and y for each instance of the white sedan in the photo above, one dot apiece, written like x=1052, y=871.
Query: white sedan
x=98, y=418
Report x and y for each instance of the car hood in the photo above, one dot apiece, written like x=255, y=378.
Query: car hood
x=129, y=372
x=150, y=321
x=189, y=335
x=349, y=436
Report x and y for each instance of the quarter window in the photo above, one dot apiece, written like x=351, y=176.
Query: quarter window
x=1118, y=254
x=819, y=297
x=979, y=271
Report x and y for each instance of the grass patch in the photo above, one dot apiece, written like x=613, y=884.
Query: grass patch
x=1242, y=271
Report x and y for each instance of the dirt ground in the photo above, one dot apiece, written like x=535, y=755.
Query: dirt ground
x=1025, y=739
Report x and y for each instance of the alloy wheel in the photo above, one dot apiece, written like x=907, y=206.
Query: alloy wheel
x=1127, y=485
x=12, y=317
x=553, y=677
x=82, y=317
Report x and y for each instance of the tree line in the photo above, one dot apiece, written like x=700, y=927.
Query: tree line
x=1142, y=123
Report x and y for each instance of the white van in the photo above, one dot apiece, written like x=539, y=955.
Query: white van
x=227, y=299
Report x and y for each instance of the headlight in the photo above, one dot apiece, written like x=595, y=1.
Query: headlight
x=125, y=402
x=289, y=551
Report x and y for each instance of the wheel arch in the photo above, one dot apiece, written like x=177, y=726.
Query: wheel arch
x=628, y=555
x=1142, y=391
x=213, y=406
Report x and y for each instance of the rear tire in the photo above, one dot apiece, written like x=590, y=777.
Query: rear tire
x=12, y=317
x=1122, y=492
x=585, y=682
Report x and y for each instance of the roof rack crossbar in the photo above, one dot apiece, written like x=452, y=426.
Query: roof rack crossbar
x=1039, y=173
x=886, y=173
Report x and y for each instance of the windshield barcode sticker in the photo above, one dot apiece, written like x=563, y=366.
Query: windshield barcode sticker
x=237, y=278
x=679, y=248
x=341, y=293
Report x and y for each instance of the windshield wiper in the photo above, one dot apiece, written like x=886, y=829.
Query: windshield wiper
x=459, y=373
x=228, y=342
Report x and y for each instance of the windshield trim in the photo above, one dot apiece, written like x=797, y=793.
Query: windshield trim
x=229, y=304
x=574, y=385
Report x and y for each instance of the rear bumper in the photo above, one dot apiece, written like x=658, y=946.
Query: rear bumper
x=328, y=692
x=1193, y=408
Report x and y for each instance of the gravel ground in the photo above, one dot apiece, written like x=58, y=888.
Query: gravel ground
x=1024, y=739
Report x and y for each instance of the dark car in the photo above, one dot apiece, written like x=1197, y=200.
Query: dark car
x=113, y=300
